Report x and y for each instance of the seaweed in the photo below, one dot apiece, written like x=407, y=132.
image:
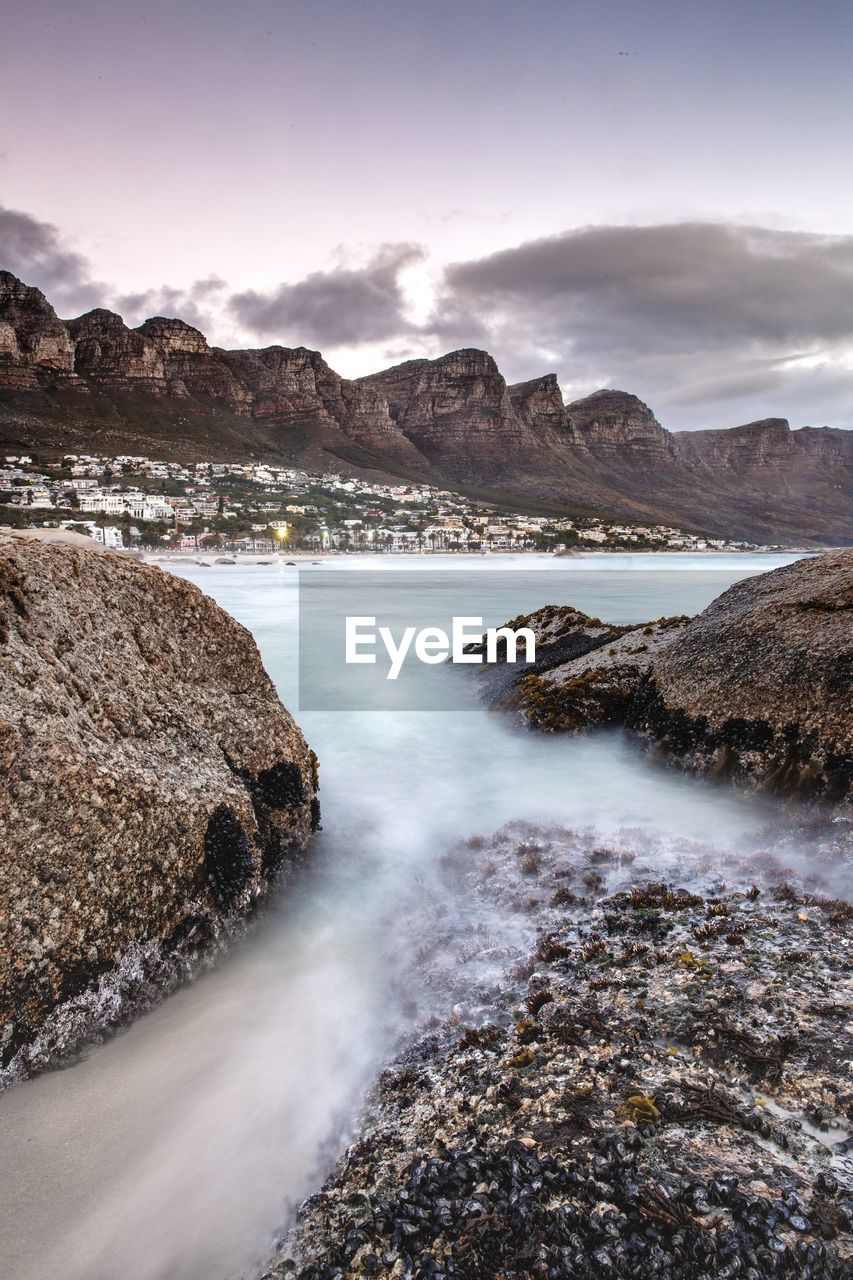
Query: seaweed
x=227, y=860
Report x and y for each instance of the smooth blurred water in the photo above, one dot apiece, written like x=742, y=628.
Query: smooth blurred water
x=178, y=1149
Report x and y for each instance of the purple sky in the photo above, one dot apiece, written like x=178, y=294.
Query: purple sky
x=653, y=195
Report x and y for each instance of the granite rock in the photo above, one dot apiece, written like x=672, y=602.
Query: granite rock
x=152, y=783
x=760, y=684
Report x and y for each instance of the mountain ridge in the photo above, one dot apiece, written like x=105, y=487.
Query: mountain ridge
x=94, y=384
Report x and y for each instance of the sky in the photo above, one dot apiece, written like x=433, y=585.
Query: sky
x=647, y=194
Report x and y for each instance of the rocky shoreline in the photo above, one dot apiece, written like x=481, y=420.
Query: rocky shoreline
x=633, y=1061
x=654, y=1082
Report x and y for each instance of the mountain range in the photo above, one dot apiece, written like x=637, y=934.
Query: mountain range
x=93, y=384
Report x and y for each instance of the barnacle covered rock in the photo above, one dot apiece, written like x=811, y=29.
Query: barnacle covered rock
x=651, y=1116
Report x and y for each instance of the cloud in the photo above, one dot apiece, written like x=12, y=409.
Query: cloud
x=36, y=252
x=676, y=312
x=683, y=285
x=711, y=323
x=196, y=304
x=39, y=254
x=344, y=305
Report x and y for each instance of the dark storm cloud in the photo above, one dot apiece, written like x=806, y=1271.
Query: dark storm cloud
x=627, y=291
x=345, y=305
x=36, y=252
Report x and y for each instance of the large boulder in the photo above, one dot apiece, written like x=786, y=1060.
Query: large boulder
x=756, y=688
x=152, y=783
x=759, y=684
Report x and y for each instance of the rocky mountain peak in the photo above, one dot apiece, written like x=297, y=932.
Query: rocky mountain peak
x=111, y=354
x=761, y=443
x=13, y=290
x=539, y=402
x=609, y=420
x=608, y=403
x=766, y=427
x=35, y=348
x=454, y=374
x=173, y=336
x=467, y=361
x=455, y=410
x=281, y=378
x=765, y=439
x=99, y=319
x=828, y=444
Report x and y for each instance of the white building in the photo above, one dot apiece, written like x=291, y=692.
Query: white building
x=112, y=504
x=109, y=536
x=151, y=509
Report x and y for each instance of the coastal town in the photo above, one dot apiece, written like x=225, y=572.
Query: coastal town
x=128, y=502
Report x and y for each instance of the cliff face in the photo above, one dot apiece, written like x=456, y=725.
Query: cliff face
x=539, y=404
x=457, y=412
x=94, y=382
x=824, y=444
x=756, y=444
x=152, y=782
x=616, y=425
x=34, y=343
x=293, y=389
x=191, y=367
x=764, y=445
x=110, y=355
